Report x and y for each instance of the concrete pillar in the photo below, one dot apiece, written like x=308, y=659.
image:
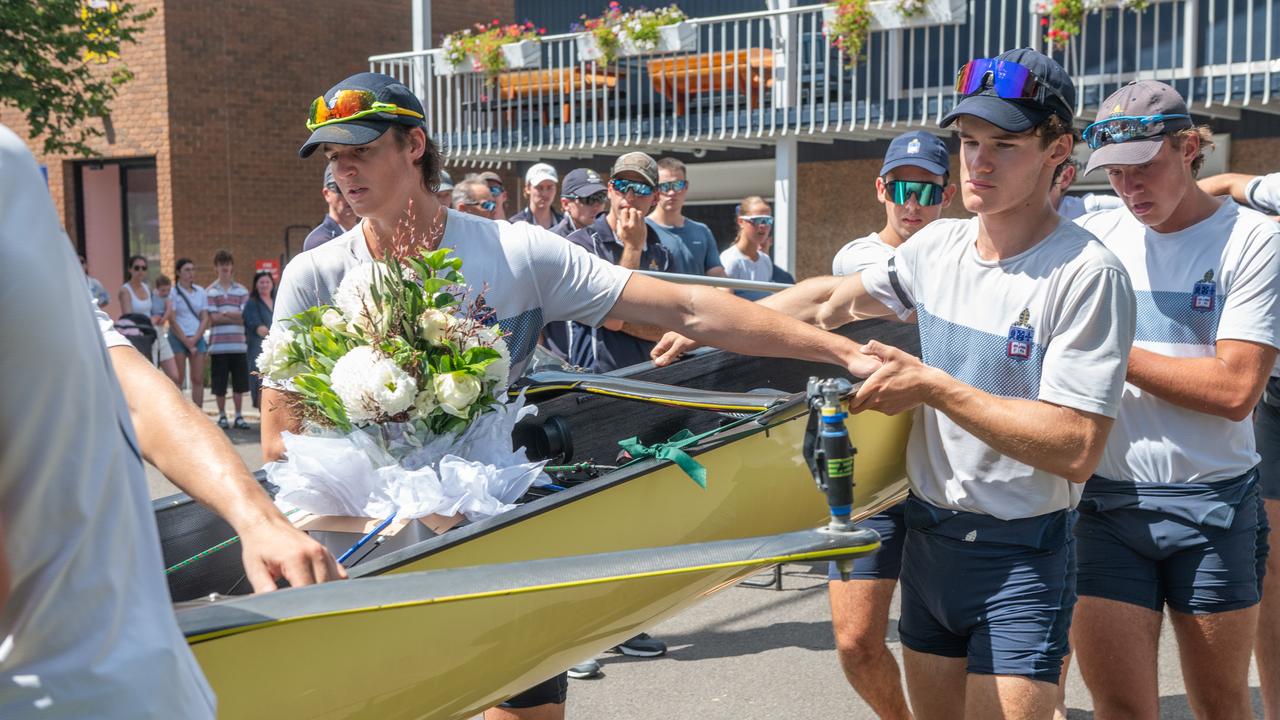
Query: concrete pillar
x=784, y=203
x=421, y=41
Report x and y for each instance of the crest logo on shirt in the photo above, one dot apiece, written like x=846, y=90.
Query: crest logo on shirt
x=1021, y=336
x=1204, y=293
x=913, y=147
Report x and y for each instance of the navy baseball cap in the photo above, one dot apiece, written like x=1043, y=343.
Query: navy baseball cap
x=581, y=183
x=1020, y=115
x=917, y=149
x=385, y=89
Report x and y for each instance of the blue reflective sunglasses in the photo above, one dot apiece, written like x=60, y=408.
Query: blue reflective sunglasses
x=486, y=205
x=625, y=186
x=672, y=186
x=496, y=190
x=758, y=220
x=1123, y=128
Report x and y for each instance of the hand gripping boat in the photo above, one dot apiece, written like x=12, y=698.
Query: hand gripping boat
x=747, y=436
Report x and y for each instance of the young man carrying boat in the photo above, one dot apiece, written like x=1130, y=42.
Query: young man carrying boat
x=370, y=129
x=1025, y=327
x=1173, y=518
x=914, y=187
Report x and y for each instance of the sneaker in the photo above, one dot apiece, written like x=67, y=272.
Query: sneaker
x=642, y=646
x=584, y=670
x=222, y=422
x=240, y=424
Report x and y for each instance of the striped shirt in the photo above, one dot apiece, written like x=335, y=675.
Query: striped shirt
x=226, y=339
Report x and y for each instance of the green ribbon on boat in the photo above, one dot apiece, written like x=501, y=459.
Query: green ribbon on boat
x=671, y=450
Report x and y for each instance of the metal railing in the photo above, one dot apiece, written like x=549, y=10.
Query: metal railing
x=748, y=79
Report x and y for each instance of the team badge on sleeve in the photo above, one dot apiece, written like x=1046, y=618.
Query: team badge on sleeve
x=1204, y=293
x=1021, y=336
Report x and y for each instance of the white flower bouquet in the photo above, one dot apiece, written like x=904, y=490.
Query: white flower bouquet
x=402, y=392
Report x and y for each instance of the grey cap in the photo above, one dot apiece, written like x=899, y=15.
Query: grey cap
x=1139, y=98
x=491, y=176
x=446, y=182
x=639, y=163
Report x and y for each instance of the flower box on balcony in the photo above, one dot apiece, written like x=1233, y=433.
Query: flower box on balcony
x=680, y=37
x=441, y=66
x=523, y=54
x=588, y=47
x=885, y=14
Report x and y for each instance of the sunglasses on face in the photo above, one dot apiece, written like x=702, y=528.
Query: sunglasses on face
x=672, y=186
x=758, y=220
x=140, y=268
x=496, y=190
x=594, y=199
x=351, y=105
x=1009, y=80
x=900, y=191
x=485, y=205
x=622, y=187
x=1124, y=128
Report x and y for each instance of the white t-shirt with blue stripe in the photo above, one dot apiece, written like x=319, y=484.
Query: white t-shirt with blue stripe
x=1053, y=323
x=1216, y=280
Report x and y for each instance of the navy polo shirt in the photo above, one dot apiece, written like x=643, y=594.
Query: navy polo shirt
x=598, y=349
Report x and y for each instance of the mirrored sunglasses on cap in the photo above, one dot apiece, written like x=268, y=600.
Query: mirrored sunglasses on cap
x=900, y=191
x=625, y=186
x=758, y=220
x=1009, y=80
x=1123, y=128
x=351, y=105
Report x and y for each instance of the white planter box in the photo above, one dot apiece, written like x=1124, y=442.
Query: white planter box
x=523, y=54
x=441, y=66
x=588, y=48
x=681, y=37
x=885, y=16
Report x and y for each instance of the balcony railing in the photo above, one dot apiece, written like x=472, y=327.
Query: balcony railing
x=751, y=78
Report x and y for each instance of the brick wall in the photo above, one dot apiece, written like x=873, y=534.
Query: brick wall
x=137, y=127
x=448, y=16
x=242, y=75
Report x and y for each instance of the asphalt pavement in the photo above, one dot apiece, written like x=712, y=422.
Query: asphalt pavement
x=746, y=653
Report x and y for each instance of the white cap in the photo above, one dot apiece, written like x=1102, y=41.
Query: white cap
x=540, y=172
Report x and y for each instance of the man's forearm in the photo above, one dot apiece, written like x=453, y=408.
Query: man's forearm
x=828, y=302
x=277, y=417
x=652, y=333
x=1048, y=437
x=1233, y=184
x=630, y=258
x=179, y=440
x=1208, y=385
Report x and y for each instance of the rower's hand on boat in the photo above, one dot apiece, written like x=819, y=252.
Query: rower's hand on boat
x=275, y=549
x=671, y=347
x=901, y=383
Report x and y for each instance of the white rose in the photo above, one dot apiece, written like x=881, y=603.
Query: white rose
x=371, y=385
x=425, y=402
x=498, y=370
x=456, y=391
x=274, y=362
x=435, y=325
x=354, y=297
x=333, y=320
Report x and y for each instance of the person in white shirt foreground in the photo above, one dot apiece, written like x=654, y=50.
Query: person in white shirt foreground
x=914, y=187
x=1173, y=518
x=1025, y=326
x=86, y=625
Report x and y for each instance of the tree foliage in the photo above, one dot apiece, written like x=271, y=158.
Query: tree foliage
x=60, y=65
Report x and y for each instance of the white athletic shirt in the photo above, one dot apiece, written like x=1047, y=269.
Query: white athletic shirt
x=1216, y=280
x=740, y=267
x=1053, y=323
x=88, y=630
x=1073, y=206
x=529, y=275
x=858, y=255
x=1263, y=193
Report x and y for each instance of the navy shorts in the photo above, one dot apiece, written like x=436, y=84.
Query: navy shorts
x=548, y=692
x=1003, y=602
x=885, y=563
x=1153, y=552
x=1266, y=431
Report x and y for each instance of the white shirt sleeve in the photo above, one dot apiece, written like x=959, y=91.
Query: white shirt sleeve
x=296, y=292
x=1250, y=311
x=1088, y=351
x=572, y=284
x=891, y=276
x=110, y=335
x=1094, y=203
x=1263, y=193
